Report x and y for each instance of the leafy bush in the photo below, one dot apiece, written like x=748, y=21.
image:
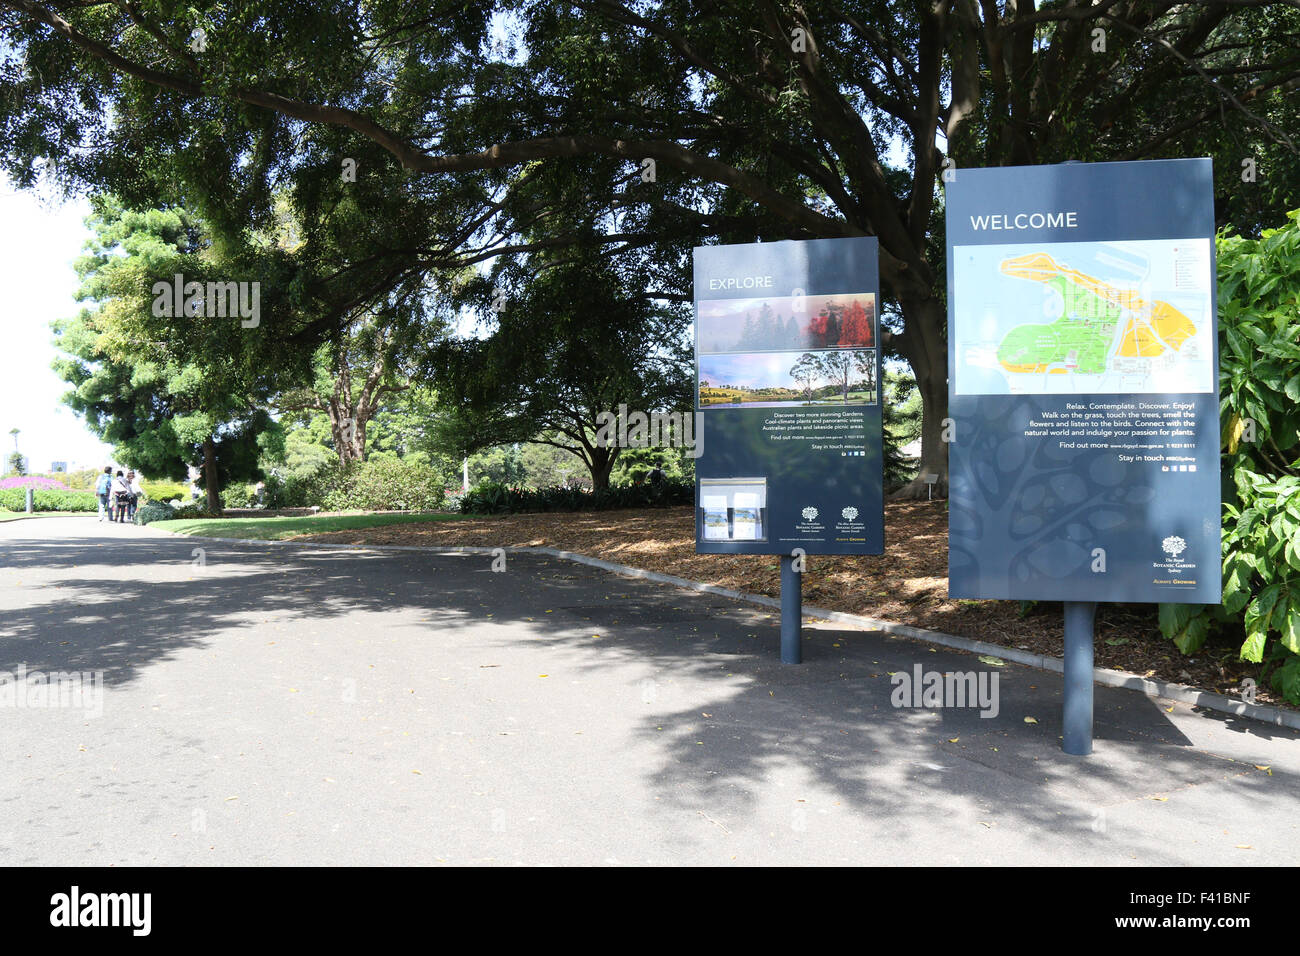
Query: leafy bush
x=239, y=496
x=392, y=484
x=491, y=497
x=165, y=490
x=197, y=509
x=81, y=480
x=1259, y=385
x=154, y=511
x=292, y=491
x=48, y=499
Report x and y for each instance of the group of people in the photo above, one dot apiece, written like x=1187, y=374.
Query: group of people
x=119, y=495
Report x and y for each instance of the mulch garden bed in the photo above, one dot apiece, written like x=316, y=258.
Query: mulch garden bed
x=908, y=584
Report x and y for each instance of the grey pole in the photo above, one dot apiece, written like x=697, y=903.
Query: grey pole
x=791, y=612
x=31, y=501
x=1079, y=617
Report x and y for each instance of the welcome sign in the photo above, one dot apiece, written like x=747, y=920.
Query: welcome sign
x=1083, y=383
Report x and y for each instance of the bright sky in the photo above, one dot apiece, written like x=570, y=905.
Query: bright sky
x=40, y=239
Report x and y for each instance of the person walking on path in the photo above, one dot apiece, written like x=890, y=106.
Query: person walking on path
x=121, y=497
x=132, y=482
x=102, y=487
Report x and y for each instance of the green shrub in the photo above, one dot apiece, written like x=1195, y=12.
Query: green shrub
x=1259, y=386
x=292, y=491
x=197, y=509
x=165, y=490
x=48, y=499
x=392, y=484
x=239, y=496
x=492, y=497
x=154, y=511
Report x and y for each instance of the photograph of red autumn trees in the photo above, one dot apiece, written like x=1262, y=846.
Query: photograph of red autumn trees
x=787, y=323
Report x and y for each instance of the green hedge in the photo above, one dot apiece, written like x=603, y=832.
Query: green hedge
x=493, y=497
x=48, y=499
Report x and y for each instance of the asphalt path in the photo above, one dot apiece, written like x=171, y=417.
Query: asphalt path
x=273, y=704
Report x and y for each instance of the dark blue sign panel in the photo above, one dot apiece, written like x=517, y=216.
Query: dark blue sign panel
x=1083, y=383
x=787, y=364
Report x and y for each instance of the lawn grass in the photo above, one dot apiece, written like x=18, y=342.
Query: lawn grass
x=277, y=529
x=15, y=515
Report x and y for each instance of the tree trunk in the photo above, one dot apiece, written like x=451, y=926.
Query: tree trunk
x=210, y=480
x=926, y=351
x=600, y=465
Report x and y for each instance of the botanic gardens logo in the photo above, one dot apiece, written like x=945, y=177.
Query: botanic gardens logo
x=1174, y=547
x=850, y=525
x=809, y=523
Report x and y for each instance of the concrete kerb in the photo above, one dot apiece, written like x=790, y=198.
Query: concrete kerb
x=1181, y=693
x=45, y=516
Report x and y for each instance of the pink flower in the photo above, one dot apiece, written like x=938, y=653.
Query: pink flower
x=32, y=481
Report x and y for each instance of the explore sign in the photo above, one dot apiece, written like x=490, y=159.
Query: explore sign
x=788, y=395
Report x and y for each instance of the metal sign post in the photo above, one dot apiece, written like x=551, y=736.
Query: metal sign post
x=1079, y=619
x=791, y=612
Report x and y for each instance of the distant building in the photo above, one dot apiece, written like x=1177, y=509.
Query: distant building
x=58, y=466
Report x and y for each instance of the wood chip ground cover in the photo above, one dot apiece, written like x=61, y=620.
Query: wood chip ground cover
x=907, y=584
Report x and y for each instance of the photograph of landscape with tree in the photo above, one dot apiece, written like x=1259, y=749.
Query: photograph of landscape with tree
x=318, y=318
x=777, y=379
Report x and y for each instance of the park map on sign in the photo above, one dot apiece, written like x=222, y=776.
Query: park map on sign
x=1084, y=317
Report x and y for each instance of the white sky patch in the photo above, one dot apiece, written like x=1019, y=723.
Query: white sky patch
x=41, y=239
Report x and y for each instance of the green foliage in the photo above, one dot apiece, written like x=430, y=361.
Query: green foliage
x=241, y=495
x=503, y=464
x=154, y=511
x=81, y=480
x=48, y=499
x=901, y=413
x=194, y=509
x=15, y=464
x=165, y=490
x=576, y=340
x=384, y=485
x=381, y=484
x=1259, y=378
x=491, y=497
x=158, y=394
x=635, y=464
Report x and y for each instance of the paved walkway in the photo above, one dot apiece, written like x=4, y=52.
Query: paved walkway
x=283, y=705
